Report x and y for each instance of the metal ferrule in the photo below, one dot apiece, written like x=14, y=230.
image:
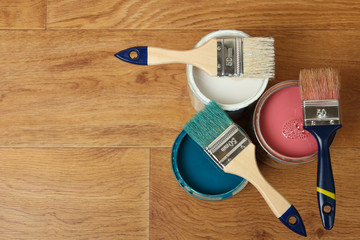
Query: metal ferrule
x=321, y=112
x=227, y=146
x=229, y=57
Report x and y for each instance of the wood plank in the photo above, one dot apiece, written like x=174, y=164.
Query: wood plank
x=65, y=87
x=174, y=214
x=74, y=193
x=165, y=14
x=23, y=14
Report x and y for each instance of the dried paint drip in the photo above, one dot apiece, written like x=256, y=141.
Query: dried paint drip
x=294, y=130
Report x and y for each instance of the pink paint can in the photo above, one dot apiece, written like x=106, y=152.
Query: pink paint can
x=278, y=127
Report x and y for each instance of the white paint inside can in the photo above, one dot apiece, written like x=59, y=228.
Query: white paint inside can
x=232, y=94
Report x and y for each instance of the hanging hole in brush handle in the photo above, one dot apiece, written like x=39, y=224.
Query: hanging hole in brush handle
x=325, y=180
x=134, y=55
x=291, y=218
x=327, y=208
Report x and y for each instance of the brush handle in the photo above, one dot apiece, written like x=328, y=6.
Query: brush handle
x=244, y=165
x=325, y=179
x=204, y=57
x=164, y=56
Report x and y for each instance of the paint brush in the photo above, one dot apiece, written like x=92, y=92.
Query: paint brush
x=319, y=91
x=230, y=148
x=251, y=57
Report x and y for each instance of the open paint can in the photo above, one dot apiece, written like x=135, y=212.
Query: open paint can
x=231, y=93
x=278, y=127
x=198, y=175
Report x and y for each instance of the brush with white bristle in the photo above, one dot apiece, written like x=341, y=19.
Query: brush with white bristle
x=319, y=91
x=251, y=57
x=258, y=57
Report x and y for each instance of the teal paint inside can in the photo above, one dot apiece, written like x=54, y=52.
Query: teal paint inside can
x=198, y=175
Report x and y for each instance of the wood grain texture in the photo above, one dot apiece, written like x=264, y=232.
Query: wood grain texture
x=60, y=88
x=164, y=14
x=174, y=214
x=65, y=87
x=74, y=193
x=78, y=127
x=23, y=14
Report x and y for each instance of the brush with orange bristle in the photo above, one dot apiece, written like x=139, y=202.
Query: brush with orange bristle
x=319, y=91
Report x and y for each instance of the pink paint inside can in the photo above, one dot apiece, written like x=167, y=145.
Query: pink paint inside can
x=280, y=124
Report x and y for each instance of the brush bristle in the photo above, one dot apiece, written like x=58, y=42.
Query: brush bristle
x=258, y=57
x=208, y=124
x=319, y=84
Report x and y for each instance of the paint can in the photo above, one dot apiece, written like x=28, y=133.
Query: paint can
x=278, y=127
x=232, y=94
x=198, y=175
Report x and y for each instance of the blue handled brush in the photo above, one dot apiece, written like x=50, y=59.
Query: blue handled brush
x=251, y=57
x=230, y=148
x=319, y=91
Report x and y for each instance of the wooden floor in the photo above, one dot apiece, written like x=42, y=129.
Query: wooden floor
x=85, y=139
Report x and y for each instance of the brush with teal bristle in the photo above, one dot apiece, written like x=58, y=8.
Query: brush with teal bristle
x=230, y=148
